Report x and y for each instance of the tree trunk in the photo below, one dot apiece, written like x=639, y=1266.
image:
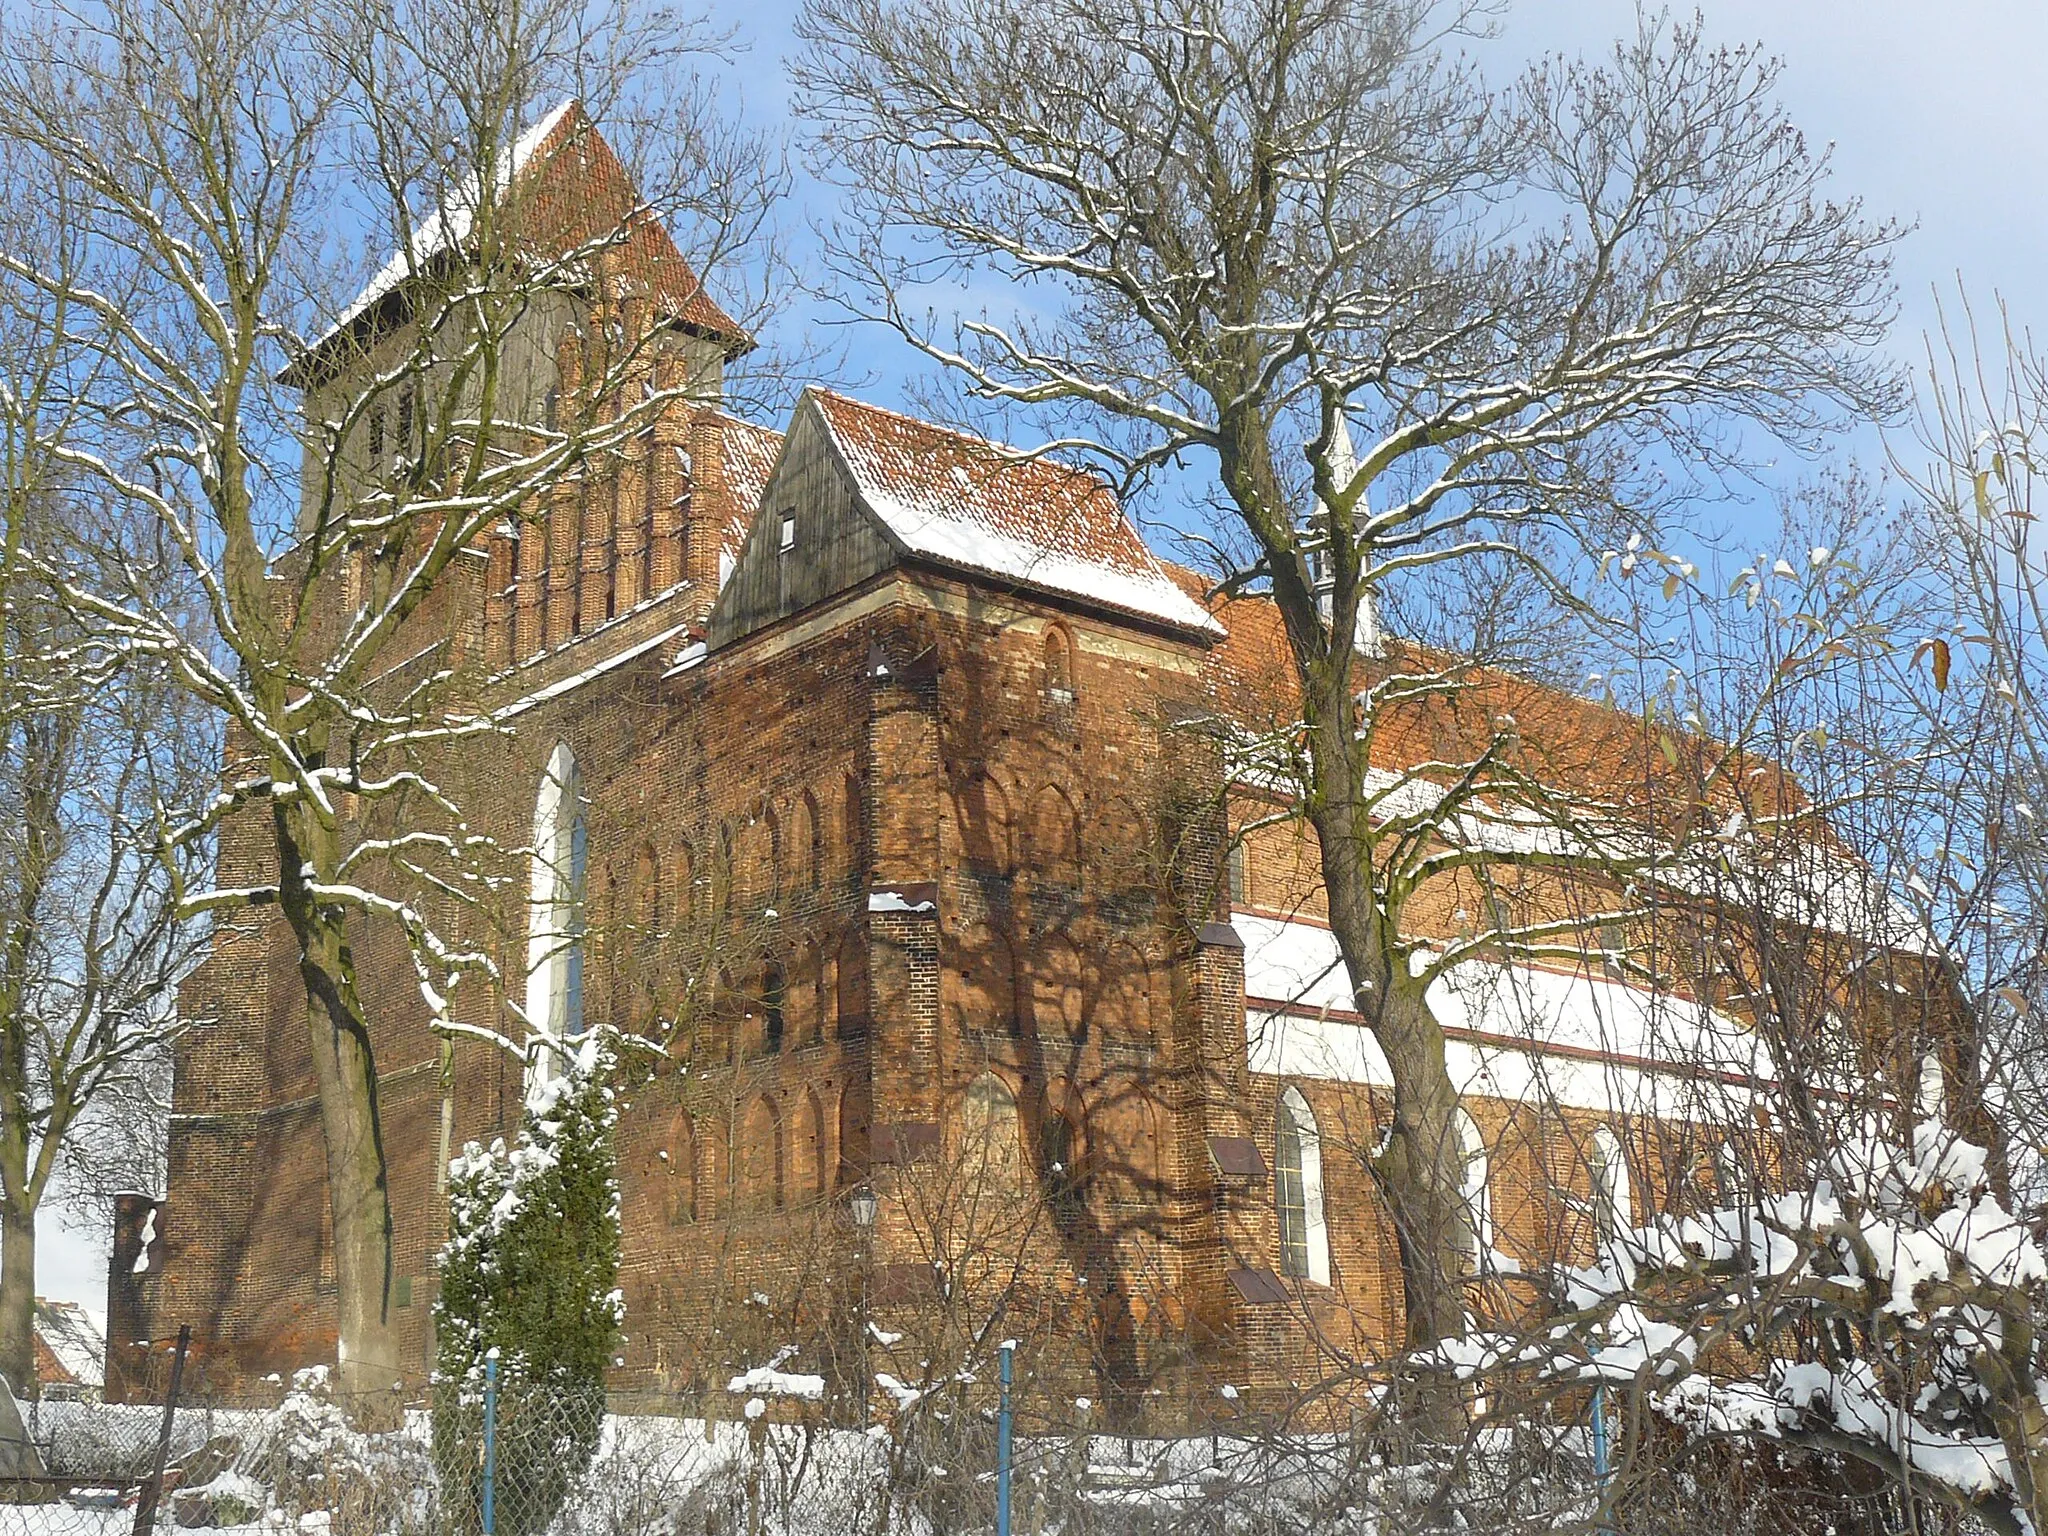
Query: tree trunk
x=18, y=1299
x=2019, y=1413
x=369, y=1369
x=1421, y=1167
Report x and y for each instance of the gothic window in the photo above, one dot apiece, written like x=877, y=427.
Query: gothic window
x=1298, y=1191
x=813, y=1169
x=723, y=874
x=375, y=434
x=771, y=1010
x=1124, y=996
x=826, y=981
x=1235, y=865
x=650, y=518
x=1055, y=838
x=986, y=1003
x=853, y=1136
x=989, y=1144
x=850, y=988
x=681, y=1170
x=855, y=824
x=1607, y=1173
x=1056, y=1004
x=646, y=914
x=1059, y=1165
x=761, y=1163
x=983, y=813
x=1475, y=1234
x=561, y=853
x=814, y=843
x=1059, y=665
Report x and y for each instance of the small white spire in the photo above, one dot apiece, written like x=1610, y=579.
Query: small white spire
x=1366, y=635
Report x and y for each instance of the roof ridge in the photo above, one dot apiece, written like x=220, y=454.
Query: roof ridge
x=740, y=421
x=976, y=439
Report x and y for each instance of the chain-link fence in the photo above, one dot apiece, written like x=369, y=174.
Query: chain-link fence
x=534, y=1463
x=516, y=1462
x=529, y=1463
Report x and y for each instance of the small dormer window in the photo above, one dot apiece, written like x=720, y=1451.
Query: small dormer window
x=788, y=540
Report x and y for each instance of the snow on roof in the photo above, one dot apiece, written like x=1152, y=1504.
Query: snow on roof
x=1534, y=1033
x=966, y=502
x=595, y=670
x=75, y=1339
x=601, y=188
x=750, y=453
x=447, y=227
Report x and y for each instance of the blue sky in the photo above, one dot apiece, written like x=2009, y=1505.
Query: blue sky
x=1937, y=112
x=1933, y=115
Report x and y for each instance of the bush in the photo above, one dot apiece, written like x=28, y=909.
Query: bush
x=530, y=1277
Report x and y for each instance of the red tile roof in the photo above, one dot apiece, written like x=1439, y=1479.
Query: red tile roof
x=572, y=201
x=749, y=452
x=1032, y=522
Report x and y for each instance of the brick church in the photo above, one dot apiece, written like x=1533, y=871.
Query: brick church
x=870, y=778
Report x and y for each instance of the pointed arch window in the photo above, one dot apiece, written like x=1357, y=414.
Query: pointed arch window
x=1613, y=1201
x=681, y=1164
x=854, y=822
x=762, y=1174
x=1475, y=1237
x=772, y=1018
x=555, y=922
x=1059, y=665
x=1298, y=1191
x=1059, y=1162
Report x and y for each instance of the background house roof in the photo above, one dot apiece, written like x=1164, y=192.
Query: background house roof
x=71, y=1345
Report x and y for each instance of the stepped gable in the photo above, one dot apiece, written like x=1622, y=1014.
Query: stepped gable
x=966, y=503
x=574, y=199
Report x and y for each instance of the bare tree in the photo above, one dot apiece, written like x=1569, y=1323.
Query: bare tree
x=92, y=945
x=1252, y=232
x=314, y=466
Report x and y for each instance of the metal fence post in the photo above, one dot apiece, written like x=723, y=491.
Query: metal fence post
x=490, y=1513
x=1004, y=1353
x=153, y=1491
x=1600, y=1453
